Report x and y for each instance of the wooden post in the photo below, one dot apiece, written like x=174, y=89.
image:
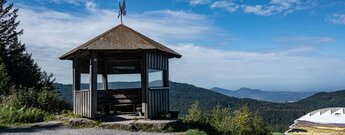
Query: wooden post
x=93, y=85
x=76, y=81
x=105, y=76
x=166, y=83
x=144, y=84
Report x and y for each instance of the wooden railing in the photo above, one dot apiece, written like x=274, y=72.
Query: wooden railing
x=158, y=101
x=82, y=103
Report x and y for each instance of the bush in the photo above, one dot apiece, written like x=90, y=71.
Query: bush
x=243, y=122
x=45, y=99
x=222, y=121
x=194, y=132
x=70, y=114
x=14, y=115
x=4, y=79
x=260, y=126
x=194, y=114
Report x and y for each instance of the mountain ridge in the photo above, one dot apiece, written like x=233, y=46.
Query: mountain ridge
x=258, y=94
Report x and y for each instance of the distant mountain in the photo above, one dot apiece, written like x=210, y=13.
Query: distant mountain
x=278, y=115
x=272, y=96
x=324, y=99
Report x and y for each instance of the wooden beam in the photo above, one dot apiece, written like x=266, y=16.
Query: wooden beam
x=105, y=76
x=166, y=83
x=76, y=81
x=93, y=85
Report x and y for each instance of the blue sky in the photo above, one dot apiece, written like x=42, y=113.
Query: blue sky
x=268, y=44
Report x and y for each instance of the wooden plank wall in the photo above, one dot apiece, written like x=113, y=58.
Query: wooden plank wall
x=82, y=103
x=157, y=61
x=157, y=99
x=158, y=102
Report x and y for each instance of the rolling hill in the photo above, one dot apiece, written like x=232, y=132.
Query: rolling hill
x=278, y=115
x=272, y=96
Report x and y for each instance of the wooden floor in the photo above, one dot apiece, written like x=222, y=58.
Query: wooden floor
x=127, y=121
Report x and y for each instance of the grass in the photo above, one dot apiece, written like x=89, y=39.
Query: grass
x=70, y=114
x=277, y=133
x=194, y=132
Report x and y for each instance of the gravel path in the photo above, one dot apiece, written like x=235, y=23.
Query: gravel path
x=69, y=131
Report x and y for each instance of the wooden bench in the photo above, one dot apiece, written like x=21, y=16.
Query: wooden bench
x=127, y=98
x=104, y=101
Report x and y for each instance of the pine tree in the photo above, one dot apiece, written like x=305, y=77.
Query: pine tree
x=194, y=114
x=260, y=126
x=22, y=69
x=242, y=122
x=4, y=79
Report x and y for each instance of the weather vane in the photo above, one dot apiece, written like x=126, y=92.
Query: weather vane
x=122, y=10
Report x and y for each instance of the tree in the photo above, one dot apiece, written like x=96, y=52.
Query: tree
x=194, y=114
x=28, y=84
x=220, y=118
x=21, y=68
x=4, y=78
x=243, y=122
x=260, y=126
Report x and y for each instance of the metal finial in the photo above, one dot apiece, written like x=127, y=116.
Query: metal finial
x=122, y=10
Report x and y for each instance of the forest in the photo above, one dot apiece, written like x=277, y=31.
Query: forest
x=279, y=116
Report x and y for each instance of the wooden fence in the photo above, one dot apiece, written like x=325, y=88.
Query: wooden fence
x=82, y=103
x=157, y=101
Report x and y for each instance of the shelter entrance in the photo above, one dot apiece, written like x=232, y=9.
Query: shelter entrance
x=122, y=82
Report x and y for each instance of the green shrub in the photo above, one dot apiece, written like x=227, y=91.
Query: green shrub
x=45, y=99
x=243, y=122
x=221, y=120
x=4, y=79
x=194, y=114
x=195, y=132
x=13, y=115
x=70, y=114
x=260, y=126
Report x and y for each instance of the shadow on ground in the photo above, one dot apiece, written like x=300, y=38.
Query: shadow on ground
x=29, y=129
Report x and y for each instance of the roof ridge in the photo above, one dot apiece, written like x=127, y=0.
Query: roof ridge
x=147, y=38
x=136, y=34
x=89, y=42
x=101, y=35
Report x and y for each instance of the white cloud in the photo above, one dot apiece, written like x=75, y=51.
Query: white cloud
x=307, y=40
x=273, y=70
x=199, y=2
x=336, y=18
x=90, y=6
x=48, y=34
x=166, y=25
x=227, y=5
x=74, y=2
x=273, y=7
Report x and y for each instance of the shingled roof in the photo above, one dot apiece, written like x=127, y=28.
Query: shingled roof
x=121, y=37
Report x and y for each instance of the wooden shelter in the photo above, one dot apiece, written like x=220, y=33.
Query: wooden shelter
x=121, y=50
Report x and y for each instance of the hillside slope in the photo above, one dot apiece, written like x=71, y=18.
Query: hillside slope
x=323, y=99
x=278, y=115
